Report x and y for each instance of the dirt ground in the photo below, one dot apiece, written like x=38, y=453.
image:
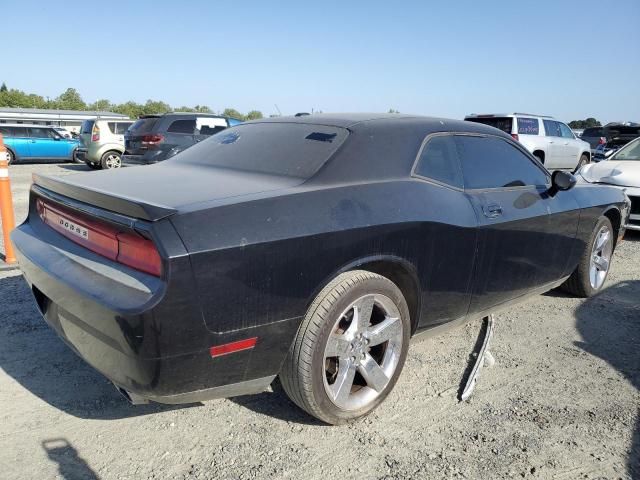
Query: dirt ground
x=562, y=402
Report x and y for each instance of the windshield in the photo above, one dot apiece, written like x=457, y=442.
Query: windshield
x=631, y=151
x=283, y=149
x=503, y=123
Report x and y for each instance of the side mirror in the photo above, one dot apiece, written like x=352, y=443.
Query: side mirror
x=608, y=153
x=560, y=181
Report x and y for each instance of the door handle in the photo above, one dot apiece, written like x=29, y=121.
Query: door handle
x=492, y=210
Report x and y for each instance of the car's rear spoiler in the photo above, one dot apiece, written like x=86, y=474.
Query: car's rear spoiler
x=131, y=207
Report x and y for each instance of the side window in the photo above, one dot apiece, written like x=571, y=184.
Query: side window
x=182, y=126
x=552, y=128
x=528, y=126
x=20, y=132
x=565, y=131
x=112, y=127
x=121, y=128
x=439, y=161
x=210, y=125
x=491, y=162
x=35, y=132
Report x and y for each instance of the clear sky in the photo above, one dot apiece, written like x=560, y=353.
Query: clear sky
x=570, y=59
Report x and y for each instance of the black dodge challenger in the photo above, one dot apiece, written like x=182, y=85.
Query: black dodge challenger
x=309, y=248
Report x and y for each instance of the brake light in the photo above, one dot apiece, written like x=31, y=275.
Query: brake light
x=95, y=133
x=152, y=140
x=126, y=248
x=515, y=137
x=602, y=141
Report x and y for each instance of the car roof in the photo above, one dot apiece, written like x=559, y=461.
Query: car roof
x=169, y=114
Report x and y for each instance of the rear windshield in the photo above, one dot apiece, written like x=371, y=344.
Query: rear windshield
x=592, y=132
x=87, y=126
x=144, y=125
x=501, y=123
x=283, y=149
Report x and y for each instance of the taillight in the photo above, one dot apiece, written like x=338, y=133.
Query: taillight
x=602, y=141
x=127, y=248
x=515, y=137
x=95, y=133
x=152, y=140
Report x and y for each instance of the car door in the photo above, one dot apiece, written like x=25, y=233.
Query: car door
x=17, y=138
x=572, y=147
x=507, y=189
x=555, y=154
x=47, y=144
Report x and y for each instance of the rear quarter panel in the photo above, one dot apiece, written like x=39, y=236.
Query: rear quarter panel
x=262, y=262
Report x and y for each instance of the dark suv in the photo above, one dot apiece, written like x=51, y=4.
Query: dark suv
x=154, y=138
x=612, y=135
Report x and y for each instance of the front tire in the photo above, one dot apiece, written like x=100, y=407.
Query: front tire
x=584, y=159
x=350, y=348
x=589, y=276
x=93, y=166
x=10, y=156
x=111, y=159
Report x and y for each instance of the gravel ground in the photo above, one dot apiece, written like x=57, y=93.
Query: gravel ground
x=560, y=403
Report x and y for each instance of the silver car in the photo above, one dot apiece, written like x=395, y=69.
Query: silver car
x=621, y=169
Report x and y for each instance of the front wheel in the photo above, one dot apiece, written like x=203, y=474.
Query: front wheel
x=584, y=159
x=590, y=274
x=350, y=348
x=10, y=157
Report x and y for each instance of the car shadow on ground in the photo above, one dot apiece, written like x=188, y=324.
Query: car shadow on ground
x=614, y=338
x=276, y=404
x=33, y=355
x=76, y=167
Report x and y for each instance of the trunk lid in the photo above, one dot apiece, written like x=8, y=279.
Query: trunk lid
x=134, y=143
x=159, y=191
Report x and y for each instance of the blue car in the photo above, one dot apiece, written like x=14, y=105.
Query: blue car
x=37, y=142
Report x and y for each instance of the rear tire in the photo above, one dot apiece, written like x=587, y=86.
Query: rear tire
x=350, y=348
x=584, y=159
x=111, y=159
x=589, y=276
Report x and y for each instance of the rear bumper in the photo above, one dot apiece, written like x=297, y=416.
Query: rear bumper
x=633, y=223
x=125, y=325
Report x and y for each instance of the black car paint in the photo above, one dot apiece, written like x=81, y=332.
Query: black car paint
x=246, y=256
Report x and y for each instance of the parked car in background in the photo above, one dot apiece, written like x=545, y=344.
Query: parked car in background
x=154, y=138
x=102, y=142
x=612, y=135
x=550, y=140
x=63, y=132
x=310, y=248
x=622, y=170
x=26, y=143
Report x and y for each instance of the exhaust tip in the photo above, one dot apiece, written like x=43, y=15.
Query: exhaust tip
x=132, y=398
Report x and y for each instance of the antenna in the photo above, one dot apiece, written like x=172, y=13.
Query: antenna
x=279, y=112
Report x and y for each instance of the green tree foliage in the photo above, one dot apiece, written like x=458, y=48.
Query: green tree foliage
x=391, y=110
x=232, y=112
x=587, y=123
x=70, y=99
x=254, y=115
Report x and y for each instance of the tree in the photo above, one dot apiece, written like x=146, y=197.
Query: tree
x=71, y=100
x=232, y=112
x=3, y=87
x=391, y=110
x=587, y=123
x=254, y=115
x=155, y=106
x=102, y=105
x=202, y=109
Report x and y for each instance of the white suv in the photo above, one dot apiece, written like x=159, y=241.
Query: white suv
x=551, y=141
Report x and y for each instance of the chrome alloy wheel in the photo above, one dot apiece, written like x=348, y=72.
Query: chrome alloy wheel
x=600, y=257
x=362, y=352
x=113, y=161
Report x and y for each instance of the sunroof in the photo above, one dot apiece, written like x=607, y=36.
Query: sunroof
x=321, y=137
